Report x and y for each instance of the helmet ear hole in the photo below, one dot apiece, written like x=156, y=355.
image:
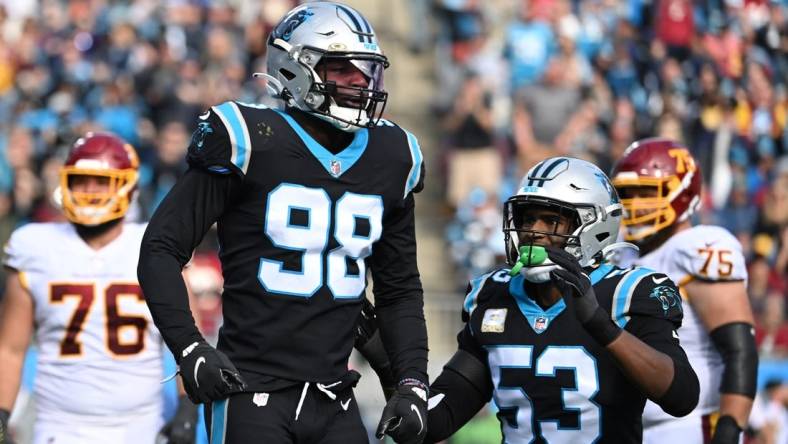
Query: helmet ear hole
x=289, y=75
x=602, y=236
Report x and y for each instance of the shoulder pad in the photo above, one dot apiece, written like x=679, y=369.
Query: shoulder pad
x=221, y=141
x=19, y=251
x=415, y=179
x=710, y=253
x=413, y=158
x=475, y=295
x=645, y=292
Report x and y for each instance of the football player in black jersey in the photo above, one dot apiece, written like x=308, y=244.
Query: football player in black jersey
x=306, y=199
x=568, y=346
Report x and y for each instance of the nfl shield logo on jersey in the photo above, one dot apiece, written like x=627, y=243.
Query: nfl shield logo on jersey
x=540, y=324
x=260, y=399
x=494, y=320
x=336, y=168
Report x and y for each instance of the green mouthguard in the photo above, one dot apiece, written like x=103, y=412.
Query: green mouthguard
x=529, y=256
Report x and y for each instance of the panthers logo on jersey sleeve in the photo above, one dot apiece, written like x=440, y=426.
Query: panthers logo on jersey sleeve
x=709, y=253
x=641, y=291
x=221, y=142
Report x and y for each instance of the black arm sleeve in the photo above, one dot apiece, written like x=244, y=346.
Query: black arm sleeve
x=176, y=228
x=461, y=390
x=399, y=299
x=736, y=343
x=682, y=394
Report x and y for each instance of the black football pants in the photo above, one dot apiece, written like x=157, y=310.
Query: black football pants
x=302, y=414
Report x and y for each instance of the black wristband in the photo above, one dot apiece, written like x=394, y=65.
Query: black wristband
x=726, y=431
x=602, y=328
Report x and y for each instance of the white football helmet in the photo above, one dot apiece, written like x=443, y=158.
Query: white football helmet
x=318, y=31
x=576, y=189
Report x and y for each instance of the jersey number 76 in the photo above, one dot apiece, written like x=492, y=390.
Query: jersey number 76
x=115, y=321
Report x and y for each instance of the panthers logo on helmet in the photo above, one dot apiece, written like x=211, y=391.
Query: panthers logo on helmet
x=286, y=27
x=606, y=183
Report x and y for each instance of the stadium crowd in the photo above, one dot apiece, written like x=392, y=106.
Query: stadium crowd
x=141, y=69
x=711, y=75
x=585, y=79
x=515, y=81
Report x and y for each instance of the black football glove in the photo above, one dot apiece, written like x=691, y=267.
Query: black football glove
x=208, y=375
x=369, y=344
x=727, y=431
x=5, y=438
x=405, y=415
x=571, y=278
x=181, y=428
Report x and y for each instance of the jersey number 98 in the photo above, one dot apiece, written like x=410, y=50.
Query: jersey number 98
x=310, y=237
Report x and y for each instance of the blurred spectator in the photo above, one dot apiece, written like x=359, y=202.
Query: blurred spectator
x=758, y=283
x=529, y=44
x=205, y=280
x=475, y=238
x=167, y=165
x=542, y=112
x=774, y=214
x=675, y=26
x=473, y=160
x=771, y=331
x=769, y=417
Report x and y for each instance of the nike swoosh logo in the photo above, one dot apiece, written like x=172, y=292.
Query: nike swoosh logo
x=418, y=414
x=200, y=361
x=345, y=404
x=660, y=280
x=435, y=400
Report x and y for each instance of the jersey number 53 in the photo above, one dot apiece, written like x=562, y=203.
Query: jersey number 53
x=514, y=402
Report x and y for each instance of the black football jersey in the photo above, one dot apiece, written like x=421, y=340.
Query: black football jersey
x=298, y=235
x=551, y=381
